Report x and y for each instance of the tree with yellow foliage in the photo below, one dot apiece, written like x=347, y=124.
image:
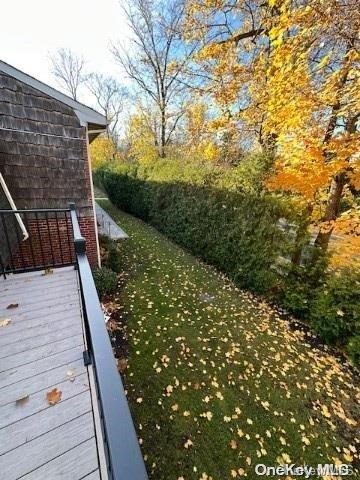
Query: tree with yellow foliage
x=199, y=138
x=287, y=72
x=102, y=150
x=141, y=137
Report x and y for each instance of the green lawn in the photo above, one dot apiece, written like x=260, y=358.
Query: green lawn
x=216, y=381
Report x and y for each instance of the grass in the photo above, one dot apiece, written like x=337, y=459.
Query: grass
x=217, y=381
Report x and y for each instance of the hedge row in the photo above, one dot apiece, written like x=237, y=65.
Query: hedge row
x=236, y=231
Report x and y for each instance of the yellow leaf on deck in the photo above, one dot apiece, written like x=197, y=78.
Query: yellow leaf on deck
x=22, y=400
x=48, y=271
x=4, y=322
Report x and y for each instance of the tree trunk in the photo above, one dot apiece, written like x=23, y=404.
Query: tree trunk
x=301, y=235
x=162, y=134
x=332, y=210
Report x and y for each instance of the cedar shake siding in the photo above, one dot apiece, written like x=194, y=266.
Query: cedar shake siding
x=44, y=156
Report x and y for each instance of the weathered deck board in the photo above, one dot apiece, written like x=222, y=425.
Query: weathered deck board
x=40, y=366
x=40, y=320
x=42, y=343
x=39, y=382
x=38, y=340
x=32, y=302
x=31, y=310
x=37, y=402
x=43, y=330
x=25, y=430
x=93, y=476
x=47, y=447
x=75, y=464
x=38, y=353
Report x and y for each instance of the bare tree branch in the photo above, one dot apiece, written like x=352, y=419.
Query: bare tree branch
x=158, y=58
x=109, y=96
x=68, y=69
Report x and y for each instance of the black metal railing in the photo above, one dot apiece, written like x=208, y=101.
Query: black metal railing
x=35, y=239
x=123, y=455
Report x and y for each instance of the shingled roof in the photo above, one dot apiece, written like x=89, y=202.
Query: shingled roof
x=86, y=115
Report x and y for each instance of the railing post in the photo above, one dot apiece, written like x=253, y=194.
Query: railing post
x=79, y=240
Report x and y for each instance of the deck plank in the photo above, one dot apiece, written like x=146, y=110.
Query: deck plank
x=40, y=382
x=26, y=294
x=37, y=276
x=15, y=375
x=40, y=320
x=52, y=303
x=38, y=452
x=31, y=427
x=39, y=339
x=38, y=353
x=93, y=476
x=78, y=463
x=13, y=412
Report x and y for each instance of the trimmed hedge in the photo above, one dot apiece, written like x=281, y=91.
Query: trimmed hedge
x=234, y=230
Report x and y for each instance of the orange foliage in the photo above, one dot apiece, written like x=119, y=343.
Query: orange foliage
x=289, y=73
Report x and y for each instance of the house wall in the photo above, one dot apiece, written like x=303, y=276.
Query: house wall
x=43, y=154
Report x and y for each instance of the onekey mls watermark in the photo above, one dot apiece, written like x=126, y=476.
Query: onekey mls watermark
x=305, y=471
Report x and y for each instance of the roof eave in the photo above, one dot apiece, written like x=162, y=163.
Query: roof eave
x=84, y=113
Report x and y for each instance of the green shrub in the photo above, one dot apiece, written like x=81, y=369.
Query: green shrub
x=105, y=281
x=114, y=259
x=354, y=349
x=299, y=286
x=335, y=310
x=110, y=254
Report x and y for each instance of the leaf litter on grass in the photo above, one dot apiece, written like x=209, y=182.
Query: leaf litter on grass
x=271, y=396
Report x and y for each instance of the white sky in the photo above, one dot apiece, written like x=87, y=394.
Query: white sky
x=32, y=29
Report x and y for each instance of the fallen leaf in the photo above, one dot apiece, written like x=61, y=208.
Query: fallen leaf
x=54, y=396
x=188, y=443
x=48, y=271
x=12, y=305
x=21, y=400
x=122, y=365
x=112, y=326
x=233, y=444
x=5, y=322
x=71, y=374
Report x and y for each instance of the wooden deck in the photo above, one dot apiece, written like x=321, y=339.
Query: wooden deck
x=41, y=348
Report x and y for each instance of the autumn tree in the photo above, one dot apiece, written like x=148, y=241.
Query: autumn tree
x=102, y=150
x=156, y=60
x=288, y=73
x=198, y=138
x=68, y=70
x=139, y=136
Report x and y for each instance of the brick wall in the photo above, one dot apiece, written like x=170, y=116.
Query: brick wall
x=87, y=227
x=50, y=243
